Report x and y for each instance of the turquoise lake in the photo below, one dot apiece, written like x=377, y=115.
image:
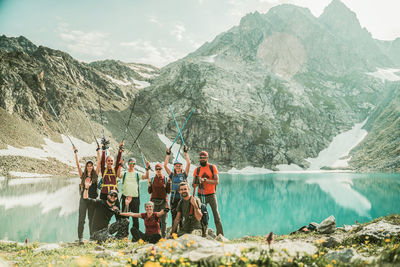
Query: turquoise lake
x=46, y=209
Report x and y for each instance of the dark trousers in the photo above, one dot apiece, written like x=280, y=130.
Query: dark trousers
x=136, y=235
x=104, y=197
x=133, y=207
x=120, y=227
x=212, y=201
x=85, y=207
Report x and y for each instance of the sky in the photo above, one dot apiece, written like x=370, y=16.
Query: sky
x=157, y=32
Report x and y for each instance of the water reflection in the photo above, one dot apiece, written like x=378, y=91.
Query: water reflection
x=46, y=209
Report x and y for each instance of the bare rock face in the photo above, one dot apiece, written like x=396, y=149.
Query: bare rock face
x=283, y=54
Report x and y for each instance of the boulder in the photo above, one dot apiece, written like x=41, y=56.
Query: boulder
x=327, y=226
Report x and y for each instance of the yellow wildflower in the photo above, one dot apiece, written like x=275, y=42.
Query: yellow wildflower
x=151, y=258
x=141, y=241
x=174, y=235
x=387, y=240
x=84, y=261
x=181, y=260
x=354, y=245
x=329, y=265
x=153, y=251
x=367, y=237
x=333, y=261
x=227, y=254
x=244, y=259
x=321, y=253
x=290, y=260
x=301, y=264
x=340, y=246
x=366, y=241
x=315, y=256
x=188, y=244
x=192, y=242
x=366, y=262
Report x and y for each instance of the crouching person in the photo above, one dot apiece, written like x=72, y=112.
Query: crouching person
x=103, y=211
x=188, y=210
x=151, y=223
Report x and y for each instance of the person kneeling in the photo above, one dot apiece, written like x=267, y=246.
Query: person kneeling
x=188, y=209
x=103, y=211
x=151, y=223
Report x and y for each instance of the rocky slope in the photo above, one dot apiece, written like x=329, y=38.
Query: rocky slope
x=380, y=151
x=31, y=77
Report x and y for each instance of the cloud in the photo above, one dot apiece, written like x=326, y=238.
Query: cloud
x=154, y=19
x=93, y=43
x=155, y=54
x=178, y=31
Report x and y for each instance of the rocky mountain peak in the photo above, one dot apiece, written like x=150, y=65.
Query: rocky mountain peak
x=338, y=16
x=20, y=43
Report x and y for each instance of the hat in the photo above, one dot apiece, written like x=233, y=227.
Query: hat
x=177, y=162
x=113, y=192
x=204, y=153
x=132, y=159
x=158, y=165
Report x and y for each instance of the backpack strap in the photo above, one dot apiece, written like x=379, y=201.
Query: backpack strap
x=138, y=183
x=212, y=170
x=123, y=178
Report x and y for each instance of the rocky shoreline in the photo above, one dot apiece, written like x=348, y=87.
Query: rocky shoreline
x=375, y=243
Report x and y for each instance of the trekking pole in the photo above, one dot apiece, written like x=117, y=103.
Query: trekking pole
x=182, y=128
x=87, y=118
x=101, y=118
x=177, y=155
x=176, y=124
x=134, y=142
x=129, y=119
x=59, y=121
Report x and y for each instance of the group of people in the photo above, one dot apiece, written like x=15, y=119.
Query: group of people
x=186, y=209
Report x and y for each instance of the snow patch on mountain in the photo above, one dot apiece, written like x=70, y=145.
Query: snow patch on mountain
x=386, y=74
x=119, y=82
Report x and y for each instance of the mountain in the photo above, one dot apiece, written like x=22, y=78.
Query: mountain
x=273, y=90
x=32, y=77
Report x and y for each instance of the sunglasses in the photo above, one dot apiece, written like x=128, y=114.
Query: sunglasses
x=132, y=163
x=203, y=157
x=158, y=169
x=113, y=195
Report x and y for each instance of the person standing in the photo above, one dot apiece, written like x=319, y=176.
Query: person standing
x=206, y=178
x=89, y=174
x=178, y=176
x=130, y=199
x=159, y=188
x=109, y=173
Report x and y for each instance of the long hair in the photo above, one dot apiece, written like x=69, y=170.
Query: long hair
x=93, y=175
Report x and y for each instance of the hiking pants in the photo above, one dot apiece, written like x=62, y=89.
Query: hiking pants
x=85, y=207
x=120, y=227
x=133, y=207
x=159, y=205
x=212, y=200
x=136, y=235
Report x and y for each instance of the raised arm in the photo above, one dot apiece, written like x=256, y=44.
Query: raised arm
x=103, y=160
x=77, y=161
x=168, y=152
x=162, y=212
x=146, y=175
x=121, y=148
x=185, y=151
x=98, y=161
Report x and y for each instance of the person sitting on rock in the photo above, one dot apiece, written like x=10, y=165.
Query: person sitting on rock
x=151, y=223
x=109, y=174
x=130, y=199
x=177, y=177
x=159, y=188
x=89, y=174
x=188, y=210
x=103, y=211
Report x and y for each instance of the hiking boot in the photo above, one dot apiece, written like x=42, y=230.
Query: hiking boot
x=80, y=241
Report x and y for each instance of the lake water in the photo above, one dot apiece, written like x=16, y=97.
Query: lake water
x=46, y=209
